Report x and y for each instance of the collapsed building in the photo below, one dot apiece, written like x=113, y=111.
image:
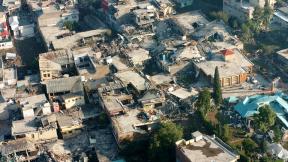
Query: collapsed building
x=20, y=149
x=51, y=25
x=55, y=64
x=34, y=130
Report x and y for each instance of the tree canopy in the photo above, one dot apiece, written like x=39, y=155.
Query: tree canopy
x=220, y=16
x=71, y=25
x=162, y=146
x=249, y=146
x=203, y=102
x=217, y=92
x=265, y=119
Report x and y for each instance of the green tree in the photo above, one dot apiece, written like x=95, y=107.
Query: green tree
x=267, y=15
x=233, y=22
x=264, y=146
x=266, y=159
x=203, y=102
x=220, y=16
x=226, y=133
x=277, y=134
x=162, y=146
x=249, y=146
x=217, y=92
x=257, y=19
x=71, y=25
x=265, y=119
x=247, y=34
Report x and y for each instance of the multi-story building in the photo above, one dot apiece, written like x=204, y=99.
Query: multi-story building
x=55, y=64
x=33, y=130
x=243, y=11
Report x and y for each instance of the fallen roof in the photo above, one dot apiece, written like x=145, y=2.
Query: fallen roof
x=70, y=84
x=126, y=123
x=70, y=118
x=188, y=52
x=113, y=105
x=24, y=126
x=236, y=65
x=118, y=64
x=61, y=57
x=16, y=145
x=182, y=93
x=187, y=19
x=138, y=55
x=33, y=101
x=131, y=77
x=71, y=41
x=210, y=29
x=161, y=79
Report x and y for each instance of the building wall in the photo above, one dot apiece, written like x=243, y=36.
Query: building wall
x=261, y=3
x=180, y=157
x=184, y=3
x=233, y=8
x=28, y=113
x=49, y=74
x=42, y=135
x=233, y=80
x=6, y=45
x=46, y=109
x=70, y=133
x=74, y=101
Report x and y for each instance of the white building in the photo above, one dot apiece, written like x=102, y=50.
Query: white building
x=34, y=106
x=243, y=11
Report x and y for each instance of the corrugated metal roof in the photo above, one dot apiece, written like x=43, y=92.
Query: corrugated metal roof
x=71, y=84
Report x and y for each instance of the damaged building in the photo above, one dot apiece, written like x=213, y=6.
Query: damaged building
x=34, y=130
x=55, y=64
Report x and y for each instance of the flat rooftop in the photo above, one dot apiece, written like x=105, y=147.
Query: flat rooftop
x=118, y=64
x=17, y=145
x=131, y=77
x=283, y=53
x=235, y=66
x=10, y=73
x=70, y=118
x=138, y=55
x=206, y=149
x=161, y=79
x=187, y=19
x=126, y=123
x=71, y=41
x=182, y=93
x=24, y=126
x=33, y=101
x=113, y=103
x=177, y=67
x=188, y=52
x=210, y=29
